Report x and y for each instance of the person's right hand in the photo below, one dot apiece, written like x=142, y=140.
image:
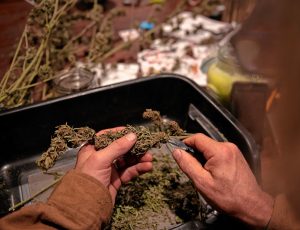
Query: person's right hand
x=226, y=180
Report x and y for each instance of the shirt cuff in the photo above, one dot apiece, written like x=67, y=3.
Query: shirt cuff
x=283, y=217
x=82, y=198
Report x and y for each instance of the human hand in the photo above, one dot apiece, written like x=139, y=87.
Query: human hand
x=101, y=164
x=226, y=180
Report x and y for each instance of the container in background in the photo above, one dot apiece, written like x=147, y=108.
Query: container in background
x=73, y=80
x=225, y=71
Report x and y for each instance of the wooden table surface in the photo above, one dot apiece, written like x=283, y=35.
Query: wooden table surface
x=13, y=14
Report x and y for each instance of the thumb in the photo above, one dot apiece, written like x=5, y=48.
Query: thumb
x=191, y=167
x=118, y=148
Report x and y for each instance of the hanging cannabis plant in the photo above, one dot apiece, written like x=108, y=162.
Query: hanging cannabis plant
x=49, y=43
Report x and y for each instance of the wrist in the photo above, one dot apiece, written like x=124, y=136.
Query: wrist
x=258, y=210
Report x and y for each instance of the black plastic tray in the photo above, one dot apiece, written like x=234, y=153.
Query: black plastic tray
x=26, y=131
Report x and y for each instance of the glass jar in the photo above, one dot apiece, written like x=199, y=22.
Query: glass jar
x=225, y=71
x=73, y=80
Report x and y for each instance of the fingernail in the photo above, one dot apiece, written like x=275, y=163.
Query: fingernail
x=130, y=137
x=177, y=153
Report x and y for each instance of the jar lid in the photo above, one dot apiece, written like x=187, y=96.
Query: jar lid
x=226, y=54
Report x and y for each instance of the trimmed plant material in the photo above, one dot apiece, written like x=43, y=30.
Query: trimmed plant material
x=156, y=200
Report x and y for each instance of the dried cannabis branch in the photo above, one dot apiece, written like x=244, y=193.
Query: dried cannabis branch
x=31, y=59
x=22, y=203
x=67, y=137
x=64, y=137
x=48, y=45
x=145, y=139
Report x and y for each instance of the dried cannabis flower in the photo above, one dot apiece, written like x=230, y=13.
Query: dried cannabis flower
x=169, y=127
x=145, y=139
x=173, y=129
x=67, y=137
x=57, y=147
x=154, y=116
x=64, y=137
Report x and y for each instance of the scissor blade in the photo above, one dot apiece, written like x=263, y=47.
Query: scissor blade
x=181, y=145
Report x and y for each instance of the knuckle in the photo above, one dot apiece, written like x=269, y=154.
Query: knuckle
x=120, y=144
x=227, y=152
x=199, y=135
x=94, y=157
x=232, y=147
x=132, y=174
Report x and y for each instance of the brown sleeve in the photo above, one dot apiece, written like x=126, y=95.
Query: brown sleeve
x=78, y=202
x=283, y=217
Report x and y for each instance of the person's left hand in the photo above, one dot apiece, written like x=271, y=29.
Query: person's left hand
x=101, y=164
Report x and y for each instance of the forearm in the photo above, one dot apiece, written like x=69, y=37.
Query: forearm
x=78, y=202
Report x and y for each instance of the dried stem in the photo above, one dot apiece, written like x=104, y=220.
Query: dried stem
x=22, y=203
x=80, y=34
x=30, y=71
x=7, y=74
